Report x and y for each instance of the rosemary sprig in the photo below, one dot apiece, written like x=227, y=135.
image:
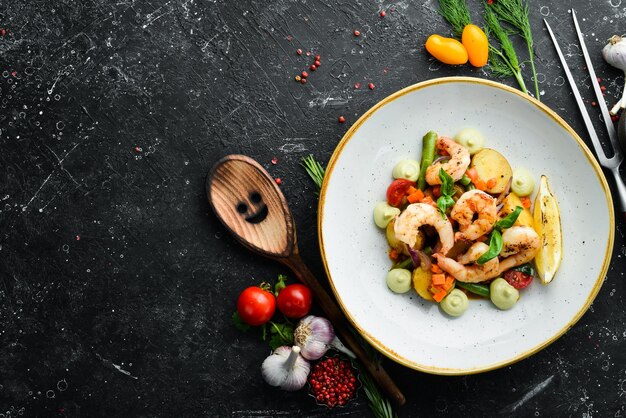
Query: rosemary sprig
x=315, y=170
x=506, y=63
x=456, y=13
x=515, y=13
x=379, y=405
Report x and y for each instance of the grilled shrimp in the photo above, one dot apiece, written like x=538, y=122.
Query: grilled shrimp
x=473, y=253
x=519, y=245
x=408, y=222
x=471, y=273
x=474, y=202
x=455, y=166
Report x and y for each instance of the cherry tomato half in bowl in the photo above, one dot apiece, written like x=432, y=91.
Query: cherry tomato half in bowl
x=295, y=300
x=256, y=306
x=517, y=279
x=397, y=190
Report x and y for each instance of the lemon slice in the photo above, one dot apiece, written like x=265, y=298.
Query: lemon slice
x=547, y=223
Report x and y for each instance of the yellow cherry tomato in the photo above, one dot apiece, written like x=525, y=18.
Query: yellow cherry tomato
x=476, y=44
x=447, y=50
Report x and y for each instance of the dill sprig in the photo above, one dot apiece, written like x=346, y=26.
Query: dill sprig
x=456, y=13
x=503, y=62
x=314, y=169
x=515, y=13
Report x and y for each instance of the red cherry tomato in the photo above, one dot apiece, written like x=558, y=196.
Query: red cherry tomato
x=295, y=300
x=256, y=306
x=517, y=279
x=397, y=190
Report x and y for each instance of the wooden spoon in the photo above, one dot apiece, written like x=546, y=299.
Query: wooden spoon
x=251, y=206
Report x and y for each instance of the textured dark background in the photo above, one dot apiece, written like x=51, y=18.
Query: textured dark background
x=117, y=283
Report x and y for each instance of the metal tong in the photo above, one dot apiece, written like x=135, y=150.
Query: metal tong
x=612, y=164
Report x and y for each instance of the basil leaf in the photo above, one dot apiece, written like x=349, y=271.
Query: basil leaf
x=526, y=269
x=447, y=183
x=509, y=220
x=495, y=246
x=444, y=203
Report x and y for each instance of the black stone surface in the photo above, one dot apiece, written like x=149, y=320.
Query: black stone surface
x=117, y=283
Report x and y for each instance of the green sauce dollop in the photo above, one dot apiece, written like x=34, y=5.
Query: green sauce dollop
x=471, y=139
x=455, y=304
x=383, y=214
x=406, y=169
x=502, y=294
x=522, y=183
x=399, y=280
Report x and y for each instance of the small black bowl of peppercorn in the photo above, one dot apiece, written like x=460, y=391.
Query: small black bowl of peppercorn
x=333, y=381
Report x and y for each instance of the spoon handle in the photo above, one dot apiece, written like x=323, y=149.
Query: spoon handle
x=334, y=314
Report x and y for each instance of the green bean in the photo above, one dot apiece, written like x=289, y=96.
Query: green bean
x=470, y=187
x=465, y=181
x=479, y=289
x=428, y=155
x=406, y=264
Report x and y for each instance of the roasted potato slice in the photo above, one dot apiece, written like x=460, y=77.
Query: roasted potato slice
x=490, y=164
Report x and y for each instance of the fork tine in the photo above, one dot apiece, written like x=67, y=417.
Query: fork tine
x=596, y=87
x=579, y=101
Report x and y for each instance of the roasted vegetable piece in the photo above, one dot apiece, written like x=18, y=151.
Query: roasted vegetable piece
x=525, y=218
x=422, y=282
x=490, y=164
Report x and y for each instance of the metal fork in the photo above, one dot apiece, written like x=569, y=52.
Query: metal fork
x=612, y=164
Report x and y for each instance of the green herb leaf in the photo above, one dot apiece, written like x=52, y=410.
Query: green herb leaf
x=447, y=183
x=379, y=405
x=515, y=13
x=509, y=220
x=281, y=334
x=238, y=322
x=502, y=62
x=495, y=246
x=280, y=284
x=526, y=269
x=456, y=13
x=315, y=170
x=444, y=203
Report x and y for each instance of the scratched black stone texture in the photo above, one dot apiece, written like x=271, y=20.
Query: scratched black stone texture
x=117, y=283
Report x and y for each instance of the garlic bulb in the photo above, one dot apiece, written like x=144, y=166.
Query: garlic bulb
x=315, y=335
x=614, y=53
x=286, y=368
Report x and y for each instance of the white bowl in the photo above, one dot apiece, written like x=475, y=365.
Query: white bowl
x=405, y=327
